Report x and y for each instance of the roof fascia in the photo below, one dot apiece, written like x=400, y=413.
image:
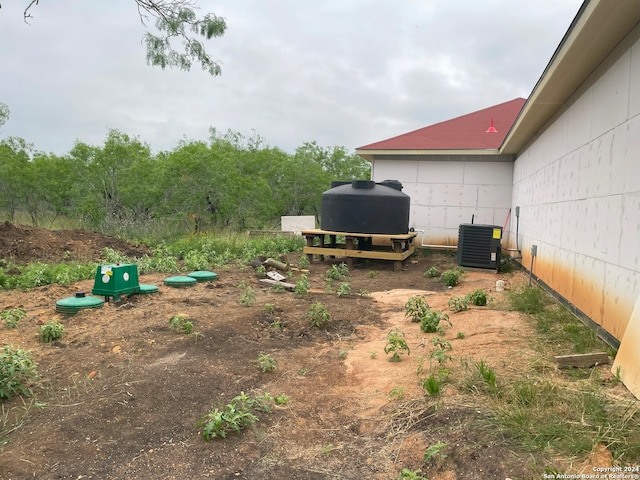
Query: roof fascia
x=444, y=155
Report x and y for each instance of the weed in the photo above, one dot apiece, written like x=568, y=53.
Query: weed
x=234, y=416
x=479, y=298
x=364, y=293
x=460, y=335
x=373, y=355
x=372, y=274
x=440, y=355
x=441, y=343
x=435, y=452
x=260, y=271
x=180, y=323
x=343, y=354
x=337, y=272
x=458, y=304
x=408, y=474
x=303, y=262
x=269, y=308
x=561, y=327
x=433, y=272
x=278, y=288
x=197, y=336
x=451, y=278
x=488, y=374
x=617, y=375
x=318, y=315
x=528, y=300
x=327, y=449
x=416, y=308
x=11, y=419
x=396, y=393
x=11, y=316
x=434, y=382
x=281, y=399
x=430, y=322
x=248, y=297
x=51, y=331
x=303, y=372
x=266, y=363
x=302, y=286
x=344, y=290
x=17, y=370
x=396, y=344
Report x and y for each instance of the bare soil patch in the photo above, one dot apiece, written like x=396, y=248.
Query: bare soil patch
x=123, y=392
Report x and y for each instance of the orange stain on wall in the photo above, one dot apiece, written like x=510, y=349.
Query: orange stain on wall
x=601, y=303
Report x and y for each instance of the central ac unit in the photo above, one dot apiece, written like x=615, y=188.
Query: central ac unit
x=479, y=246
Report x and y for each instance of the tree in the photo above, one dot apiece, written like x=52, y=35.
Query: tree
x=4, y=113
x=174, y=20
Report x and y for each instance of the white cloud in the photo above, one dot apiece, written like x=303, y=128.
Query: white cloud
x=340, y=73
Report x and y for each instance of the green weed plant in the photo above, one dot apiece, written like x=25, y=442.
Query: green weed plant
x=17, y=372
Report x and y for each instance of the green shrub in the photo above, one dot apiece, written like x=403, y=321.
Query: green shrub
x=181, y=324
x=302, y=286
x=234, y=416
x=344, y=290
x=17, y=370
x=51, y=331
x=433, y=272
x=396, y=344
x=337, y=272
x=458, y=304
x=248, y=297
x=266, y=363
x=416, y=308
x=430, y=323
x=318, y=315
x=451, y=278
x=11, y=316
x=479, y=298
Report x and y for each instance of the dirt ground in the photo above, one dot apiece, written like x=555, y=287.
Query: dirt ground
x=121, y=393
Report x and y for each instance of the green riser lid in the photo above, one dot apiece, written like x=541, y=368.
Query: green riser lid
x=203, y=276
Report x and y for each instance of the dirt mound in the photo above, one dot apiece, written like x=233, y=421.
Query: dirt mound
x=22, y=244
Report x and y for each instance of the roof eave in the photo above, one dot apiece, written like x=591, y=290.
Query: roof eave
x=370, y=154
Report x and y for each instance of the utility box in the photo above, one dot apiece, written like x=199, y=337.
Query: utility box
x=115, y=280
x=479, y=246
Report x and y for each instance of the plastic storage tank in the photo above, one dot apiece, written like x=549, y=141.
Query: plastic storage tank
x=364, y=206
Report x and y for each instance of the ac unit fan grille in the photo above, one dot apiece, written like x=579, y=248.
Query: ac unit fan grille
x=479, y=246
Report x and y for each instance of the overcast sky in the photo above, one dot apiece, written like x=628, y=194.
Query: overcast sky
x=340, y=72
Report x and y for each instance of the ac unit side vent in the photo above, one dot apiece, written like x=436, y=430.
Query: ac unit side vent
x=479, y=246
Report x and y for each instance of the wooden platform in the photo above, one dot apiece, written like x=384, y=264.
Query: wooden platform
x=359, y=245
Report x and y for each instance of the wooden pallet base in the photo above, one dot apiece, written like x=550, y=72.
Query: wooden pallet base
x=401, y=246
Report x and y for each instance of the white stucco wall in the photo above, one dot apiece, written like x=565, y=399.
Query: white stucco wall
x=578, y=188
x=445, y=194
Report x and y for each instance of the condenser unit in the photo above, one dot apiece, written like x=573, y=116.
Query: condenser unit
x=479, y=246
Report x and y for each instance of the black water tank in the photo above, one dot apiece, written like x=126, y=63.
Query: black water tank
x=364, y=206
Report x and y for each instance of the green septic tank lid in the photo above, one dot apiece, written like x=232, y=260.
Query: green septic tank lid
x=179, y=281
x=72, y=305
x=146, y=289
x=203, y=276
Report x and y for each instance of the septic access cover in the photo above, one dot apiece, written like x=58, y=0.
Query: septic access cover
x=203, y=276
x=147, y=289
x=179, y=281
x=72, y=305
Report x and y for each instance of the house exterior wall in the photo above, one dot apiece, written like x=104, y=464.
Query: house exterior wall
x=445, y=194
x=578, y=188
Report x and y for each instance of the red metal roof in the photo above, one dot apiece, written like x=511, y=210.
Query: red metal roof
x=468, y=132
